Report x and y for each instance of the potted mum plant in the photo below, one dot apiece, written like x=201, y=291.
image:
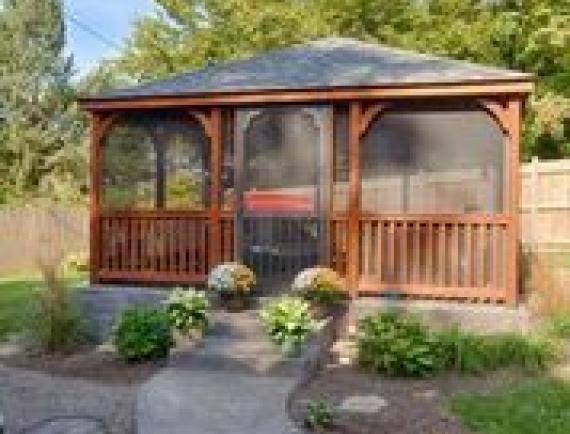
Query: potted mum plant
x=234, y=282
x=321, y=287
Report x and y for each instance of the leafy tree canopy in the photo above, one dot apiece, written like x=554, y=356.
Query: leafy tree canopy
x=530, y=35
x=41, y=130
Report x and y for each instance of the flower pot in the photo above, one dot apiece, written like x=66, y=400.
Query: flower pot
x=320, y=310
x=234, y=301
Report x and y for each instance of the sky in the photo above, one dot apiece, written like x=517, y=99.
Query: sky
x=110, y=19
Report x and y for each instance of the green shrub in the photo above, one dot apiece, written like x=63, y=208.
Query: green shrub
x=143, y=334
x=472, y=353
x=396, y=345
x=288, y=322
x=188, y=310
x=53, y=323
x=558, y=325
x=399, y=345
x=319, y=415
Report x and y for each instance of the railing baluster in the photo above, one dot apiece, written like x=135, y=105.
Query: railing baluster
x=380, y=251
x=367, y=241
x=391, y=252
x=468, y=255
x=429, y=254
x=496, y=238
x=455, y=258
x=404, y=253
x=416, y=253
x=442, y=264
x=481, y=253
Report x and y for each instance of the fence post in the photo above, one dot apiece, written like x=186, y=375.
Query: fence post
x=534, y=203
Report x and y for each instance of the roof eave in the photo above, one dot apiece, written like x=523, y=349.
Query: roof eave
x=518, y=85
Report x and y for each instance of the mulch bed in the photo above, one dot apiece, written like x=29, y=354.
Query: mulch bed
x=413, y=405
x=88, y=364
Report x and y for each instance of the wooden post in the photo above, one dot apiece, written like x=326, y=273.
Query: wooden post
x=533, y=223
x=94, y=198
x=215, y=241
x=514, y=113
x=353, y=267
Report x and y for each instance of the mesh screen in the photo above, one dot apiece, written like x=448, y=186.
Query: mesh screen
x=341, y=160
x=228, y=182
x=155, y=160
x=129, y=166
x=281, y=161
x=433, y=159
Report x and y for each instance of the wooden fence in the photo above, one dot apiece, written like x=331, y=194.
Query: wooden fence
x=32, y=235
x=545, y=204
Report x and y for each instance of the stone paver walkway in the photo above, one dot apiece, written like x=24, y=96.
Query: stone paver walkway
x=37, y=403
x=236, y=382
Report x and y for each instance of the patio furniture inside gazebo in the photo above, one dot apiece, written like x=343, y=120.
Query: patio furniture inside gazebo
x=398, y=170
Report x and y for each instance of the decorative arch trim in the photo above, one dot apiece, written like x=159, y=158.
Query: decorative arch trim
x=498, y=112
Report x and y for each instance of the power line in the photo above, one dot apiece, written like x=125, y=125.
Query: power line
x=91, y=31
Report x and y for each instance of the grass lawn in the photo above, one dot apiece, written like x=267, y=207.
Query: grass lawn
x=15, y=295
x=535, y=406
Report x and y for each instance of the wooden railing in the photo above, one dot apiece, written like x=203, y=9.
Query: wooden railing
x=159, y=246
x=461, y=257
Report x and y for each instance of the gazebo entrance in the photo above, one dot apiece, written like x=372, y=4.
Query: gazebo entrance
x=281, y=160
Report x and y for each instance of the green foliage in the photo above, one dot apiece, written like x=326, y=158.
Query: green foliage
x=558, y=325
x=42, y=146
x=143, y=334
x=530, y=35
x=53, y=323
x=319, y=415
x=17, y=294
x=76, y=263
x=473, y=354
x=188, y=310
x=288, y=322
x=395, y=345
x=532, y=407
x=399, y=345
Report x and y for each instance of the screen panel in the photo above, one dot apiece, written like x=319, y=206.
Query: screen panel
x=129, y=165
x=156, y=160
x=281, y=153
x=425, y=159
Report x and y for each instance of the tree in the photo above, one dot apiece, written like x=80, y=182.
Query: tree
x=41, y=135
x=187, y=35
x=530, y=35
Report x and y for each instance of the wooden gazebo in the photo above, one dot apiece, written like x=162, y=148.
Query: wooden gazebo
x=399, y=170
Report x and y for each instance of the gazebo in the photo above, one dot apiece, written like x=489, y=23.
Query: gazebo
x=397, y=169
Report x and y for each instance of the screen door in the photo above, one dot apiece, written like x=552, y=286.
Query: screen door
x=281, y=171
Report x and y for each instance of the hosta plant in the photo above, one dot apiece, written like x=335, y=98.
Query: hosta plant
x=288, y=322
x=188, y=310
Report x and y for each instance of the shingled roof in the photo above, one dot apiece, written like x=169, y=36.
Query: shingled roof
x=322, y=64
